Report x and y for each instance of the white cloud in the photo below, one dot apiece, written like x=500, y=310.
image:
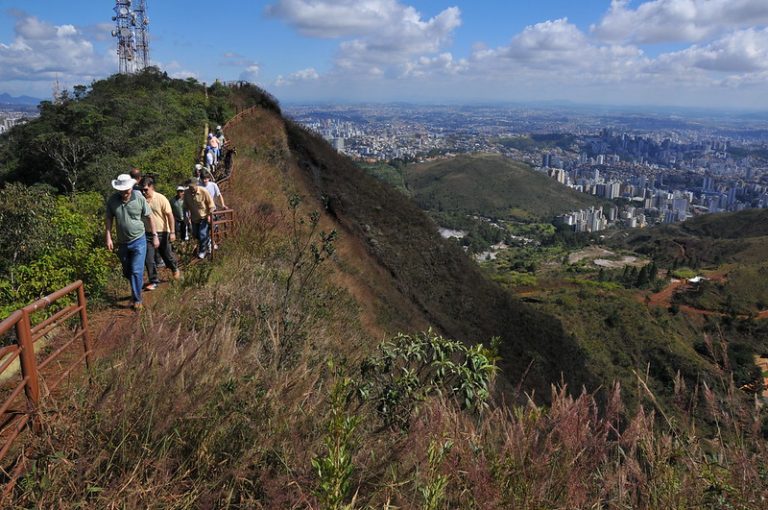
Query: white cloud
x=41, y=51
x=678, y=20
x=742, y=52
x=184, y=74
x=251, y=73
x=379, y=37
x=558, y=50
x=444, y=64
x=304, y=75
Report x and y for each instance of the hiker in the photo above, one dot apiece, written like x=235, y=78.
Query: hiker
x=230, y=151
x=210, y=164
x=206, y=181
x=199, y=204
x=215, y=146
x=198, y=171
x=165, y=225
x=179, y=216
x=133, y=217
x=135, y=174
x=220, y=136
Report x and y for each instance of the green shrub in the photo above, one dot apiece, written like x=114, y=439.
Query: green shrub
x=410, y=368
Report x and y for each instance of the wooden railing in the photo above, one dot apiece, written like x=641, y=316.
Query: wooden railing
x=17, y=413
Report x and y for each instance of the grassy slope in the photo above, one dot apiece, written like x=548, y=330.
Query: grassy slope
x=434, y=275
x=740, y=237
x=491, y=186
x=206, y=405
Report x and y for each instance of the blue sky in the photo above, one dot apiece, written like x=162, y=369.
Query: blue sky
x=660, y=52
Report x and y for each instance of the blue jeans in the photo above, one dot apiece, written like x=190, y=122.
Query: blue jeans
x=202, y=232
x=132, y=255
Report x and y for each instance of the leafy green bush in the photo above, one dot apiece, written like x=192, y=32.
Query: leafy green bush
x=63, y=241
x=410, y=368
x=684, y=273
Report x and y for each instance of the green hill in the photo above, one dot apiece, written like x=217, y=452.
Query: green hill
x=491, y=186
x=740, y=237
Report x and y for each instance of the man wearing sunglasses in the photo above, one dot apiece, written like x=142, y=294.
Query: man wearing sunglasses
x=165, y=225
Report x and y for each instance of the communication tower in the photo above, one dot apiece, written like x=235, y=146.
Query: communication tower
x=142, y=35
x=131, y=30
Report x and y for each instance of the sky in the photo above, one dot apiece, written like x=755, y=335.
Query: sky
x=698, y=53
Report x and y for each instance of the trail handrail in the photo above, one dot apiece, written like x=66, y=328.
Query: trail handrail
x=14, y=421
x=222, y=226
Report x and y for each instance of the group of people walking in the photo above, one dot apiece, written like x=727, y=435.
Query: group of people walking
x=212, y=149
x=147, y=224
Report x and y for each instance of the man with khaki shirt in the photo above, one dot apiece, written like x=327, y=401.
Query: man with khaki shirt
x=162, y=216
x=199, y=203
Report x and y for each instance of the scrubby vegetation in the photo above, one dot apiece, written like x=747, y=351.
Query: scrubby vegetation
x=299, y=370
x=208, y=403
x=57, y=170
x=490, y=186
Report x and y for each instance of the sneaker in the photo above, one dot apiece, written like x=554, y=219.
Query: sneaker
x=201, y=255
x=177, y=275
x=150, y=286
x=215, y=246
x=137, y=306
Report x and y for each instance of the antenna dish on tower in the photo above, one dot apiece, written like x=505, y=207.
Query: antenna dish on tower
x=132, y=35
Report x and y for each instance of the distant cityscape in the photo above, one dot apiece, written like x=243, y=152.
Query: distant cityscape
x=10, y=118
x=656, y=167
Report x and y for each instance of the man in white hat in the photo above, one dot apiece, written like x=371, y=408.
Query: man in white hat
x=132, y=215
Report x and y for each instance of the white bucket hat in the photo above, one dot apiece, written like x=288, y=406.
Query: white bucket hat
x=123, y=182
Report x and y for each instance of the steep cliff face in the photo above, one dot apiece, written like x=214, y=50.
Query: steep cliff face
x=390, y=257
x=435, y=282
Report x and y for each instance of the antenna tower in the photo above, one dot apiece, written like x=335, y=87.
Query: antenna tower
x=131, y=30
x=142, y=35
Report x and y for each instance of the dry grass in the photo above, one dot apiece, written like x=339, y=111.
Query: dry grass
x=215, y=401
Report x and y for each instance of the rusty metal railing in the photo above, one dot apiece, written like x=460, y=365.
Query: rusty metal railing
x=222, y=227
x=13, y=421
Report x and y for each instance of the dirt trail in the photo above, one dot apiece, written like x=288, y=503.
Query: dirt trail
x=664, y=297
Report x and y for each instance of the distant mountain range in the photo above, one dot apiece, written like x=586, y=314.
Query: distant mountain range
x=22, y=100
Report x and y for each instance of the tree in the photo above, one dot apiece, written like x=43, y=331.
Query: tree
x=69, y=154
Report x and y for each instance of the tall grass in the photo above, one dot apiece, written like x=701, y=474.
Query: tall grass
x=210, y=402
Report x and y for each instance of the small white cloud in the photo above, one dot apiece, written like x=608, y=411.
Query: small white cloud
x=66, y=31
x=184, y=74
x=441, y=64
x=304, y=75
x=251, y=73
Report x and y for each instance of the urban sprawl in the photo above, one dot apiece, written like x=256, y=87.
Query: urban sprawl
x=655, y=167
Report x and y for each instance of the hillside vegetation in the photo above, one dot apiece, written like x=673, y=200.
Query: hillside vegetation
x=299, y=371
x=740, y=237
x=491, y=186
x=57, y=169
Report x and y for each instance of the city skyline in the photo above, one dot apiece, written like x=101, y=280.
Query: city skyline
x=694, y=53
